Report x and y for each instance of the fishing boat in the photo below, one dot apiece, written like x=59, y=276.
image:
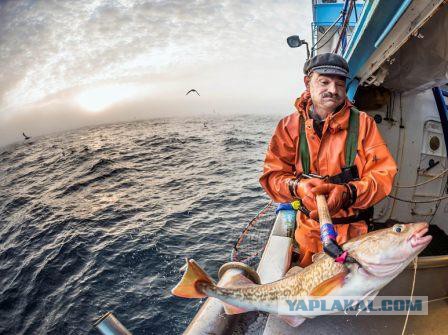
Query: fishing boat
x=398, y=57
x=397, y=51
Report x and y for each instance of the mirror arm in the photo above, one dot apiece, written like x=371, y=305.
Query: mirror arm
x=307, y=49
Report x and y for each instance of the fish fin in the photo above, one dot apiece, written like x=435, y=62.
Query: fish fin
x=230, y=309
x=187, y=287
x=329, y=285
x=293, y=321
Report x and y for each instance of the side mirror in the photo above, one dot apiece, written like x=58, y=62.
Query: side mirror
x=294, y=41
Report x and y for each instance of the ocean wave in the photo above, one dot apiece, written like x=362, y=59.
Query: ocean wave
x=16, y=204
x=78, y=186
x=238, y=142
x=100, y=164
x=101, y=218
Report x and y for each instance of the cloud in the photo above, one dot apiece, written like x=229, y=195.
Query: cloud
x=52, y=50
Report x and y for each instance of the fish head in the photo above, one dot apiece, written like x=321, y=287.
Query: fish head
x=386, y=252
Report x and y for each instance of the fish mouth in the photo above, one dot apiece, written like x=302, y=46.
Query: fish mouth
x=418, y=239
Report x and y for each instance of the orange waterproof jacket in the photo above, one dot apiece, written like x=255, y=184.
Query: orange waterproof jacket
x=375, y=164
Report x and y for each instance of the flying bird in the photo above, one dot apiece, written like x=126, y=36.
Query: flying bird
x=26, y=137
x=193, y=90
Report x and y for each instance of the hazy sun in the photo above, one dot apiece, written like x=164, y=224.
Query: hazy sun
x=97, y=99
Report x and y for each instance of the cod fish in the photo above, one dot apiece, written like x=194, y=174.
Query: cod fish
x=381, y=254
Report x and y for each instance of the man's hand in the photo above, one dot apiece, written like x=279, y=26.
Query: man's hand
x=305, y=194
x=338, y=196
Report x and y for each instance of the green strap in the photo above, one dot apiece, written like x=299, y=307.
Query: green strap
x=304, y=151
x=351, y=144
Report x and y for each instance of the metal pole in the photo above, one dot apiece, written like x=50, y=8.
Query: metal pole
x=108, y=324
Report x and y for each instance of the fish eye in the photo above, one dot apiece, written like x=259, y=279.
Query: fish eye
x=398, y=228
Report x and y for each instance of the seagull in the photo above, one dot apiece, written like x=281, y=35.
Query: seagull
x=26, y=137
x=193, y=90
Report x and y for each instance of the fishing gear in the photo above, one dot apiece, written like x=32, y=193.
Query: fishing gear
x=328, y=234
x=252, y=241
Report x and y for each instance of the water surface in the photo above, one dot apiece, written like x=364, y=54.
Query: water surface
x=100, y=219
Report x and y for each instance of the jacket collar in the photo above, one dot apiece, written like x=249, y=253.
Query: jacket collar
x=336, y=121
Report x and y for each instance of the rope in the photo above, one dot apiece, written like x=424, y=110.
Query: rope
x=412, y=294
x=438, y=299
x=344, y=26
x=314, y=48
x=419, y=201
x=328, y=40
x=234, y=255
x=434, y=214
x=425, y=182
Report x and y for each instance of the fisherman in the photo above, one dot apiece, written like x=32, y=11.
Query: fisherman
x=328, y=147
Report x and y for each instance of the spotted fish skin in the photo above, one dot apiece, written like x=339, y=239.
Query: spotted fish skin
x=290, y=287
x=381, y=256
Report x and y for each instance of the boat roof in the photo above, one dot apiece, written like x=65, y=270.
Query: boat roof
x=398, y=44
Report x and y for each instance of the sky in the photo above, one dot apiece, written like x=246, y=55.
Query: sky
x=67, y=64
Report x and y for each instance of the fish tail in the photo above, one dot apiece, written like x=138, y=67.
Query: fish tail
x=188, y=285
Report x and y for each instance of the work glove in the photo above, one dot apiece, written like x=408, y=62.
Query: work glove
x=307, y=197
x=338, y=196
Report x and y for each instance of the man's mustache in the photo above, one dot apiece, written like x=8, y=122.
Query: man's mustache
x=330, y=95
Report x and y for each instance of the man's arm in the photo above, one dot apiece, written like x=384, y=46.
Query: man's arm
x=377, y=175
x=279, y=170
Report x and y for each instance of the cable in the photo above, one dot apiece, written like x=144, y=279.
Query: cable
x=387, y=109
x=325, y=33
x=329, y=39
x=345, y=24
x=435, y=212
x=438, y=299
x=400, y=149
x=423, y=183
x=401, y=115
x=412, y=294
x=418, y=201
x=392, y=107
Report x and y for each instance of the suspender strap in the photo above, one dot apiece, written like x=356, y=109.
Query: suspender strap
x=363, y=215
x=304, y=151
x=349, y=172
x=351, y=144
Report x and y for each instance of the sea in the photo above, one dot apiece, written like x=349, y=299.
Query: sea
x=102, y=218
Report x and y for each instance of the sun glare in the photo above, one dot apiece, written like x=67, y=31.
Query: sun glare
x=98, y=99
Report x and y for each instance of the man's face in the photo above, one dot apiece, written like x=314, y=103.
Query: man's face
x=327, y=91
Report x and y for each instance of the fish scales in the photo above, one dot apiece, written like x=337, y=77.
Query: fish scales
x=296, y=285
x=380, y=256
